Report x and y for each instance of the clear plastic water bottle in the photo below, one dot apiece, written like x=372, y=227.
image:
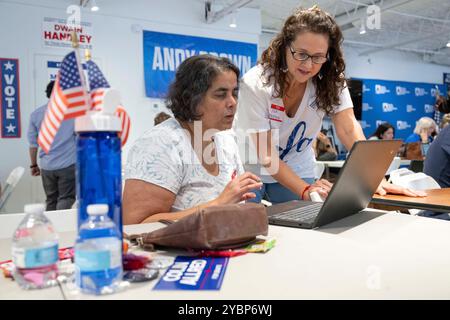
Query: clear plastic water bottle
x=99, y=161
x=35, y=250
x=98, y=253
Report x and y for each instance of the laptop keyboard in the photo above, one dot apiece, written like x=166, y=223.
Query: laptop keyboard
x=300, y=214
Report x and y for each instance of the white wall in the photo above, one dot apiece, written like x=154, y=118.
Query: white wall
x=392, y=65
x=117, y=45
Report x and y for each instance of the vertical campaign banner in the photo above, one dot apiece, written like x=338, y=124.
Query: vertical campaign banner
x=398, y=102
x=164, y=52
x=9, y=98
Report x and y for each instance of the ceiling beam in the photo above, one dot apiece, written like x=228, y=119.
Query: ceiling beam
x=212, y=17
x=374, y=45
x=393, y=45
x=346, y=20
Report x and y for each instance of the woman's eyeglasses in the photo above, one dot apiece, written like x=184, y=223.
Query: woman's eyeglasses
x=303, y=56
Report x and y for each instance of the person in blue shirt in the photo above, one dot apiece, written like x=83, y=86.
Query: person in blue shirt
x=437, y=166
x=423, y=131
x=437, y=162
x=57, y=168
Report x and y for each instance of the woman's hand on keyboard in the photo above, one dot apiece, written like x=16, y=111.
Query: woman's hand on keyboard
x=322, y=187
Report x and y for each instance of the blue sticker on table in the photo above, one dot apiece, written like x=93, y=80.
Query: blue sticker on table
x=194, y=273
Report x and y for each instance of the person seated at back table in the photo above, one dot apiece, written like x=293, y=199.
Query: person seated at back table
x=385, y=131
x=437, y=166
x=445, y=121
x=323, y=148
x=437, y=162
x=423, y=133
x=189, y=162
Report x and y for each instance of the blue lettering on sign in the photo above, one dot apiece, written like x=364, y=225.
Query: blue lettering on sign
x=9, y=98
x=299, y=146
x=164, y=52
x=194, y=273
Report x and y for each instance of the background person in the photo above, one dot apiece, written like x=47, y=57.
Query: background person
x=57, y=168
x=160, y=117
x=423, y=133
x=176, y=167
x=385, y=131
x=445, y=121
x=323, y=147
x=298, y=80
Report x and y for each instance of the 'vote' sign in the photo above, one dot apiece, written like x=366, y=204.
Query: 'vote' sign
x=9, y=98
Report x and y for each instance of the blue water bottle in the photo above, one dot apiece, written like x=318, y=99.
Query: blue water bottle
x=98, y=166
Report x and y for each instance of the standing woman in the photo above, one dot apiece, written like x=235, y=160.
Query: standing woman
x=283, y=99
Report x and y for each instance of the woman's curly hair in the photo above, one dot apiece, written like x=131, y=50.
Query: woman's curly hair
x=274, y=64
x=193, y=78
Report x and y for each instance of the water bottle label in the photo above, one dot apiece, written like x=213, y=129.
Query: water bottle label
x=98, y=260
x=35, y=257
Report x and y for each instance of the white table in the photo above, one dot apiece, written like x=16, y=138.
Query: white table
x=371, y=255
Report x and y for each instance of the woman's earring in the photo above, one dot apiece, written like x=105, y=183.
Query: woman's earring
x=320, y=76
x=284, y=70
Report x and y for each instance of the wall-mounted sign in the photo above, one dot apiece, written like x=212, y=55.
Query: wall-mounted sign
x=400, y=103
x=164, y=52
x=9, y=98
x=57, y=33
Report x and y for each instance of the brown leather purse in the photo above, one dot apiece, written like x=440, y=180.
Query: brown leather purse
x=213, y=228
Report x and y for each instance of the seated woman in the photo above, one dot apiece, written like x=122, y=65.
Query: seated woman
x=423, y=133
x=385, y=131
x=186, y=163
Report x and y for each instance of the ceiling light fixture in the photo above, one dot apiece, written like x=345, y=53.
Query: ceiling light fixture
x=94, y=6
x=233, y=23
x=362, y=30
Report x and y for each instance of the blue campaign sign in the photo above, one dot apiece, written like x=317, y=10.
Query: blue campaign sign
x=9, y=98
x=164, y=52
x=194, y=273
x=397, y=102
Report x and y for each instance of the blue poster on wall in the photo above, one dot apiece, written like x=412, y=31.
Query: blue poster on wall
x=163, y=53
x=397, y=102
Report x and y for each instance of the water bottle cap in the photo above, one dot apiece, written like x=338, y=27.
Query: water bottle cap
x=34, y=208
x=97, y=209
x=103, y=119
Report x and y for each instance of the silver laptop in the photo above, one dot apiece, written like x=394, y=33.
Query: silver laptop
x=358, y=180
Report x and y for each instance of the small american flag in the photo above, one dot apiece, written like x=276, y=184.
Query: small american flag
x=68, y=100
x=97, y=84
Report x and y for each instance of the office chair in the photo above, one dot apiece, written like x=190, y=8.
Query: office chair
x=11, y=182
x=416, y=166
